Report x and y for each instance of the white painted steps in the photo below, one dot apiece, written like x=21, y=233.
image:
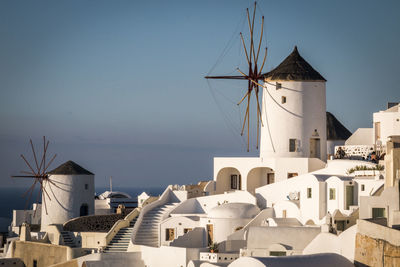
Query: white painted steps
x=148, y=230
x=120, y=242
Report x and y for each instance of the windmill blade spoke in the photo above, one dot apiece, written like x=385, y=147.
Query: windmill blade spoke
x=226, y=77
x=30, y=188
x=44, y=170
x=248, y=124
x=252, y=32
x=43, y=161
x=30, y=195
x=53, y=183
x=27, y=163
x=34, y=156
x=30, y=173
x=243, y=98
x=262, y=65
x=261, y=37
x=23, y=176
x=44, y=189
x=258, y=107
x=37, y=200
x=245, y=49
x=245, y=118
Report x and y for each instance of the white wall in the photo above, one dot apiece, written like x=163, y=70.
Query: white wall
x=178, y=223
x=390, y=124
x=169, y=256
x=205, y=204
x=303, y=112
x=67, y=198
x=344, y=244
x=362, y=136
x=310, y=208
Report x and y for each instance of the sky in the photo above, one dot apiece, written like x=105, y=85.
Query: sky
x=118, y=86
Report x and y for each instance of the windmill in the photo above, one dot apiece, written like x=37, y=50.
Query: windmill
x=253, y=75
x=39, y=175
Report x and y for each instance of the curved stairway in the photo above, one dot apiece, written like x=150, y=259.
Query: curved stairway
x=120, y=242
x=148, y=230
x=68, y=239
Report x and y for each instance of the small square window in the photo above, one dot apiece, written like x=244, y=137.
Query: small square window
x=292, y=174
x=169, y=234
x=332, y=193
x=309, y=192
x=283, y=99
x=278, y=86
x=292, y=145
x=86, y=186
x=363, y=187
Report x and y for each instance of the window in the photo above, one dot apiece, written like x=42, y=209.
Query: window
x=332, y=193
x=378, y=213
x=283, y=99
x=278, y=86
x=187, y=230
x=86, y=186
x=169, y=234
x=277, y=253
x=363, y=187
x=236, y=182
x=309, y=192
x=294, y=145
x=292, y=174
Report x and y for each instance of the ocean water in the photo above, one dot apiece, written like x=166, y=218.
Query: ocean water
x=13, y=199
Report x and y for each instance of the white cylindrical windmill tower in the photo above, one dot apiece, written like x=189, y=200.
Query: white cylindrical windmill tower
x=294, y=111
x=70, y=190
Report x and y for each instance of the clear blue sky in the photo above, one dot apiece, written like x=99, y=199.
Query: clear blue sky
x=118, y=87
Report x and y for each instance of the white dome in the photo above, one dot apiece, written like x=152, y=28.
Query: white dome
x=234, y=210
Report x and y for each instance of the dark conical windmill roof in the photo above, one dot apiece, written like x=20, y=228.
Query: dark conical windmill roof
x=294, y=68
x=335, y=129
x=69, y=168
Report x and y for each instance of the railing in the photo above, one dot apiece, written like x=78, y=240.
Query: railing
x=121, y=224
x=161, y=201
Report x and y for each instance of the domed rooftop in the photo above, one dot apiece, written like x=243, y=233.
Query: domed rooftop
x=234, y=210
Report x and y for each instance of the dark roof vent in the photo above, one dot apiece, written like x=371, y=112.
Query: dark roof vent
x=294, y=68
x=70, y=167
x=335, y=129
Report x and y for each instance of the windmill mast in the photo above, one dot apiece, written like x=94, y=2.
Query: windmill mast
x=110, y=183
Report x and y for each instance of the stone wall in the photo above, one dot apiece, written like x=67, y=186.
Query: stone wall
x=376, y=245
x=375, y=252
x=93, y=223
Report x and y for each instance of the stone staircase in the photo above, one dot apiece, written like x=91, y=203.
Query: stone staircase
x=148, y=231
x=68, y=239
x=120, y=242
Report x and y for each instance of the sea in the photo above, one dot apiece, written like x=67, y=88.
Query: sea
x=14, y=199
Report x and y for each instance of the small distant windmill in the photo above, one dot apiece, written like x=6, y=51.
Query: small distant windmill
x=253, y=75
x=39, y=175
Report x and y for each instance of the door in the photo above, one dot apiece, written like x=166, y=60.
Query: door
x=315, y=148
x=349, y=196
x=210, y=234
x=284, y=213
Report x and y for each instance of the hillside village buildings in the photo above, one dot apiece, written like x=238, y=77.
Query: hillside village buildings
x=295, y=204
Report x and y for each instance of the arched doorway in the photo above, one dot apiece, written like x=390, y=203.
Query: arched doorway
x=228, y=179
x=84, y=210
x=258, y=177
